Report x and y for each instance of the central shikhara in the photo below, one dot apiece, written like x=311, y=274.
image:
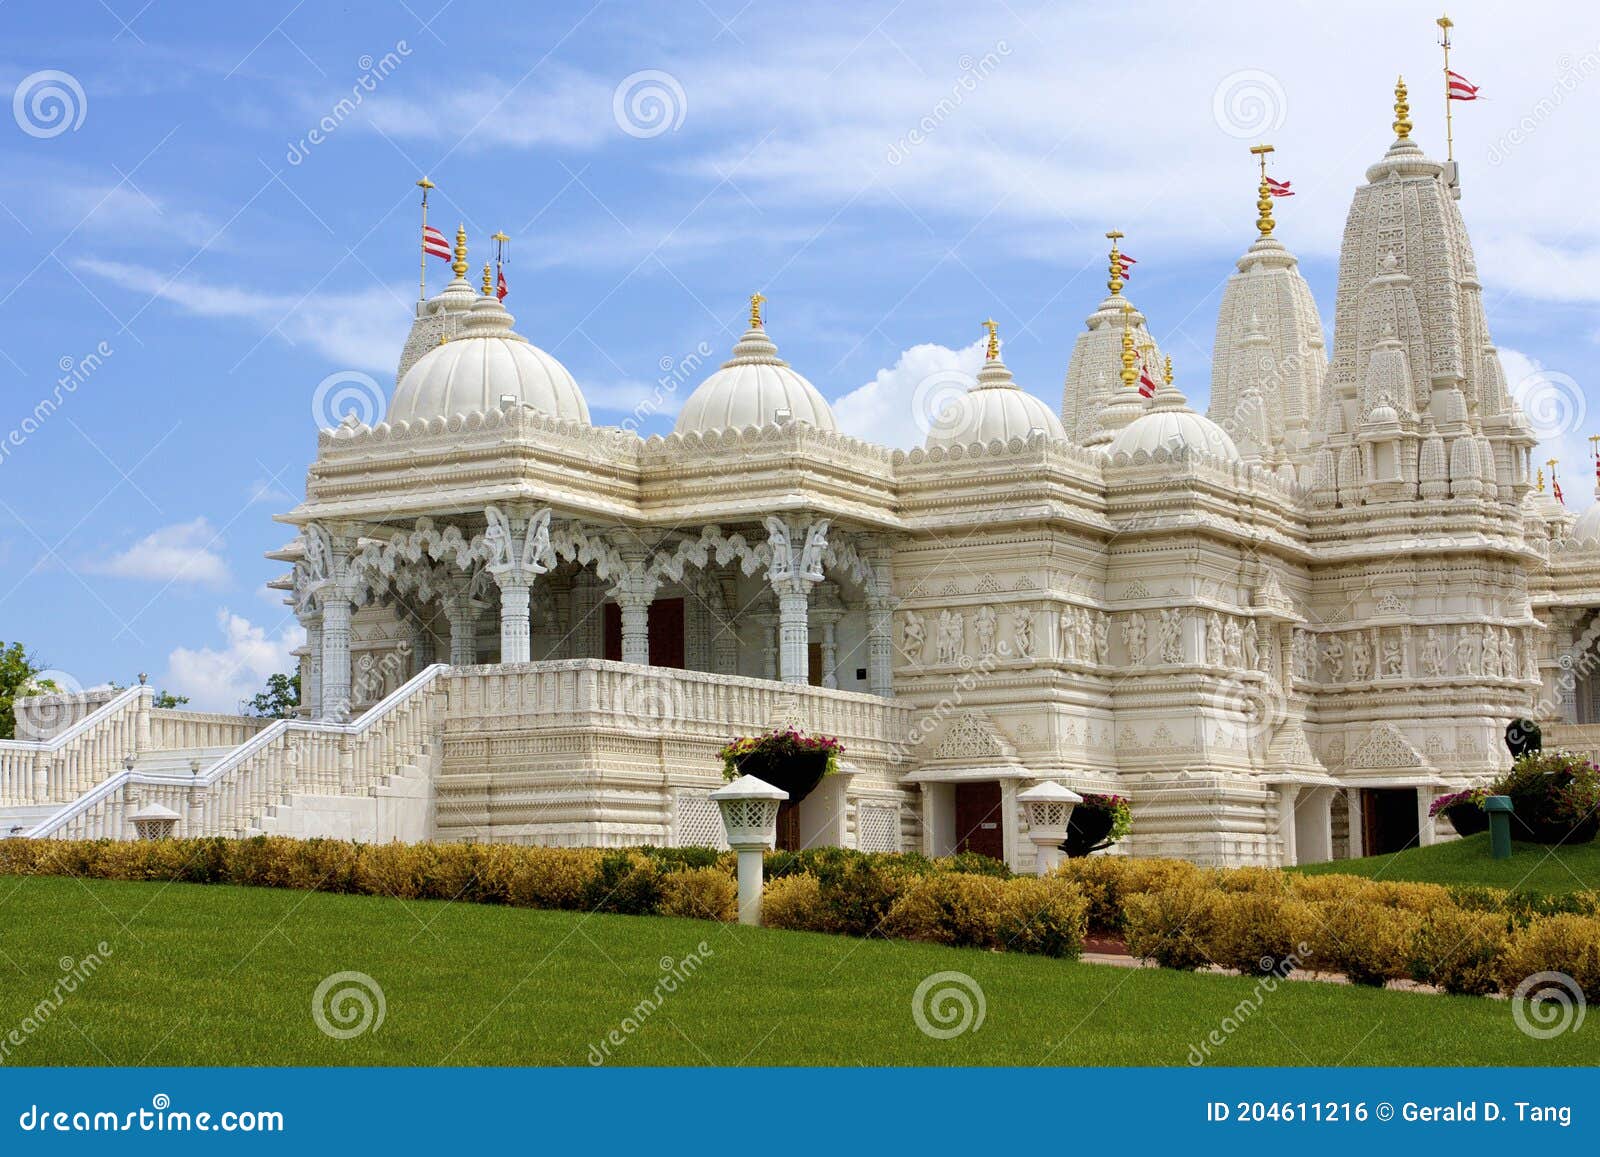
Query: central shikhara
x=1279, y=628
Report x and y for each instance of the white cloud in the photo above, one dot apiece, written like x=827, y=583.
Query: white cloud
x=185, y=552
x=264, y=490
x=1557, y=408
x=555, y=106
x=364, y=329
x=900, y=402
x=218, y=679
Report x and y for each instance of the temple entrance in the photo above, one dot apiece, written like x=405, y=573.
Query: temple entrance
x=666, y=633
x=1388, y=820
x=978, y=819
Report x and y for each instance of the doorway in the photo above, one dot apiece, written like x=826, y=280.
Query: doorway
x=978, y=819
x=1388, y=820
x=666, y=633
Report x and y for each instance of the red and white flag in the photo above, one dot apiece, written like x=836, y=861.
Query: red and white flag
x=1124, y=263
x=501, y=288
x=1461, y=88
x=1278, y=188
x=1147, y=384
x=1556, y=486
x=434, y=244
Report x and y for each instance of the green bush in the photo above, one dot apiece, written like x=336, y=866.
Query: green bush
x=1460, y=951
x=794, y=902
x=1173, y=925
x=626, y=884
x=1368, y=942
x=700, y=894
x=1045, y=916
x=1564, y=944
x=956, y=909
x=1259, y=932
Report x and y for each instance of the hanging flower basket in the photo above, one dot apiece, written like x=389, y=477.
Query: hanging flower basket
x=1464, y=810
x=1096, y=823
x=788, y=759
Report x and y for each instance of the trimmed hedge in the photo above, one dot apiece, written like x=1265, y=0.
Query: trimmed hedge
x=1465, y=940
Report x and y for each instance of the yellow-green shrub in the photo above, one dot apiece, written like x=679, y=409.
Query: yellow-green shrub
x=794, y=902
x=1172, y=925
x=1566, y=944
x=958, y=909
x=1046, y=916
x=700, y=894
x=1107, y=881
x=552, y=877
x=1369, y=943
x=1259, y=932
x=1459, y=951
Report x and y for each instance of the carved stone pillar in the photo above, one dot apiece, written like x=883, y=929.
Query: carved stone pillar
x=635, y=608
x=516, y=645
x=518, y=540
x=334, y=700
x=725, y=642
x=462, y=612
x=311, y=693
x=421, y=640
x=880, y=622
x=795, y=568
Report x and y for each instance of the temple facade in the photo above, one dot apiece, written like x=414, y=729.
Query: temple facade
x=1280, y=627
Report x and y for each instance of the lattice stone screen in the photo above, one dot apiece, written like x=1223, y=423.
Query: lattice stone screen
x=699, y=821
x=1051, y=814
x=878, y=827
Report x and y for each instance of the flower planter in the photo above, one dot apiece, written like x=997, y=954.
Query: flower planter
x=1087, y=830
x=796, y=774
x=1545, y=831
x=1468, y=819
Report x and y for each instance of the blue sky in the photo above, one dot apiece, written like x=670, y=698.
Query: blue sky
x=887, y=174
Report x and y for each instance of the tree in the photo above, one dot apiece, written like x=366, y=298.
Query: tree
x=167, y=701
x=280, y=700
x=18, y=676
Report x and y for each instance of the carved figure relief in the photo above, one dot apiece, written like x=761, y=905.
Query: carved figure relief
x=983, y=624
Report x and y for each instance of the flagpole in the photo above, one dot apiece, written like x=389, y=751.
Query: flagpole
x=422, y=270
x=1445, y=23
x=500, y=240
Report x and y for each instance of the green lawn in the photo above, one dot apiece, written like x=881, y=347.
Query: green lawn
x=1532, y=867
x=225, y=975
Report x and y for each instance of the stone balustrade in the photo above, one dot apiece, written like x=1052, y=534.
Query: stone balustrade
x=76, y=758
x=179, y=730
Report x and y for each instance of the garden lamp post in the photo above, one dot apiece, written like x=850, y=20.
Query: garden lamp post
x=749, y=809
x=1049, y=811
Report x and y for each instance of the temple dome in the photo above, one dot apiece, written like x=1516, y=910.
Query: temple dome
x=1170, y=425
x=484, y=363
x=1587, y=528
x=995, y=409
x=751, y=389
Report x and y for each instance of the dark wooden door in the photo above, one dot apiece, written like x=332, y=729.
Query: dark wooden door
x=1388, y=820
x=978, y=819
x=814, y=664
x=666, y=633
x=788, y=827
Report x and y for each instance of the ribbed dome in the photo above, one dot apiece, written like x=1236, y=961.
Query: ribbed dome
x=996, y=409
x=750, y=389
x=1170, y=425
x=1587, y=528
x=484, y=363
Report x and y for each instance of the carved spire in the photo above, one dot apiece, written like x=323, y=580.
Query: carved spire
x=756, y=300
x=1129, y=376
x=1116, y=266
x=460, y=263
x=993, y=327
x=1264, y=221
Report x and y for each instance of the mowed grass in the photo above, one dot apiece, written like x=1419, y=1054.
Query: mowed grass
x=225, y=975
x=1531, y=868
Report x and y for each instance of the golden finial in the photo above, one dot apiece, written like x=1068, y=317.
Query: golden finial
x=757, y=299
x=444, y=337
x=1115, y=284
x=460, y=263
x=1402, y=111
x=1264, y=221
x=425, y=184
x=1129, y=375
x=1167, y=377
x=1541, y=479
x=994, y=339
x=1594, y=445
x=488, y=281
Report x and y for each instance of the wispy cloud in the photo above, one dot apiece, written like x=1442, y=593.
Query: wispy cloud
x=185, y=553
x=219, y=678
x=362, y=329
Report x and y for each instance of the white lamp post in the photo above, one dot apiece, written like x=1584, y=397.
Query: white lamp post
x=1049, y=811
x=749, y=809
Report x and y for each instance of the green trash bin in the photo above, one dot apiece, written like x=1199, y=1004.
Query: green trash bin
x=1499, y=809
